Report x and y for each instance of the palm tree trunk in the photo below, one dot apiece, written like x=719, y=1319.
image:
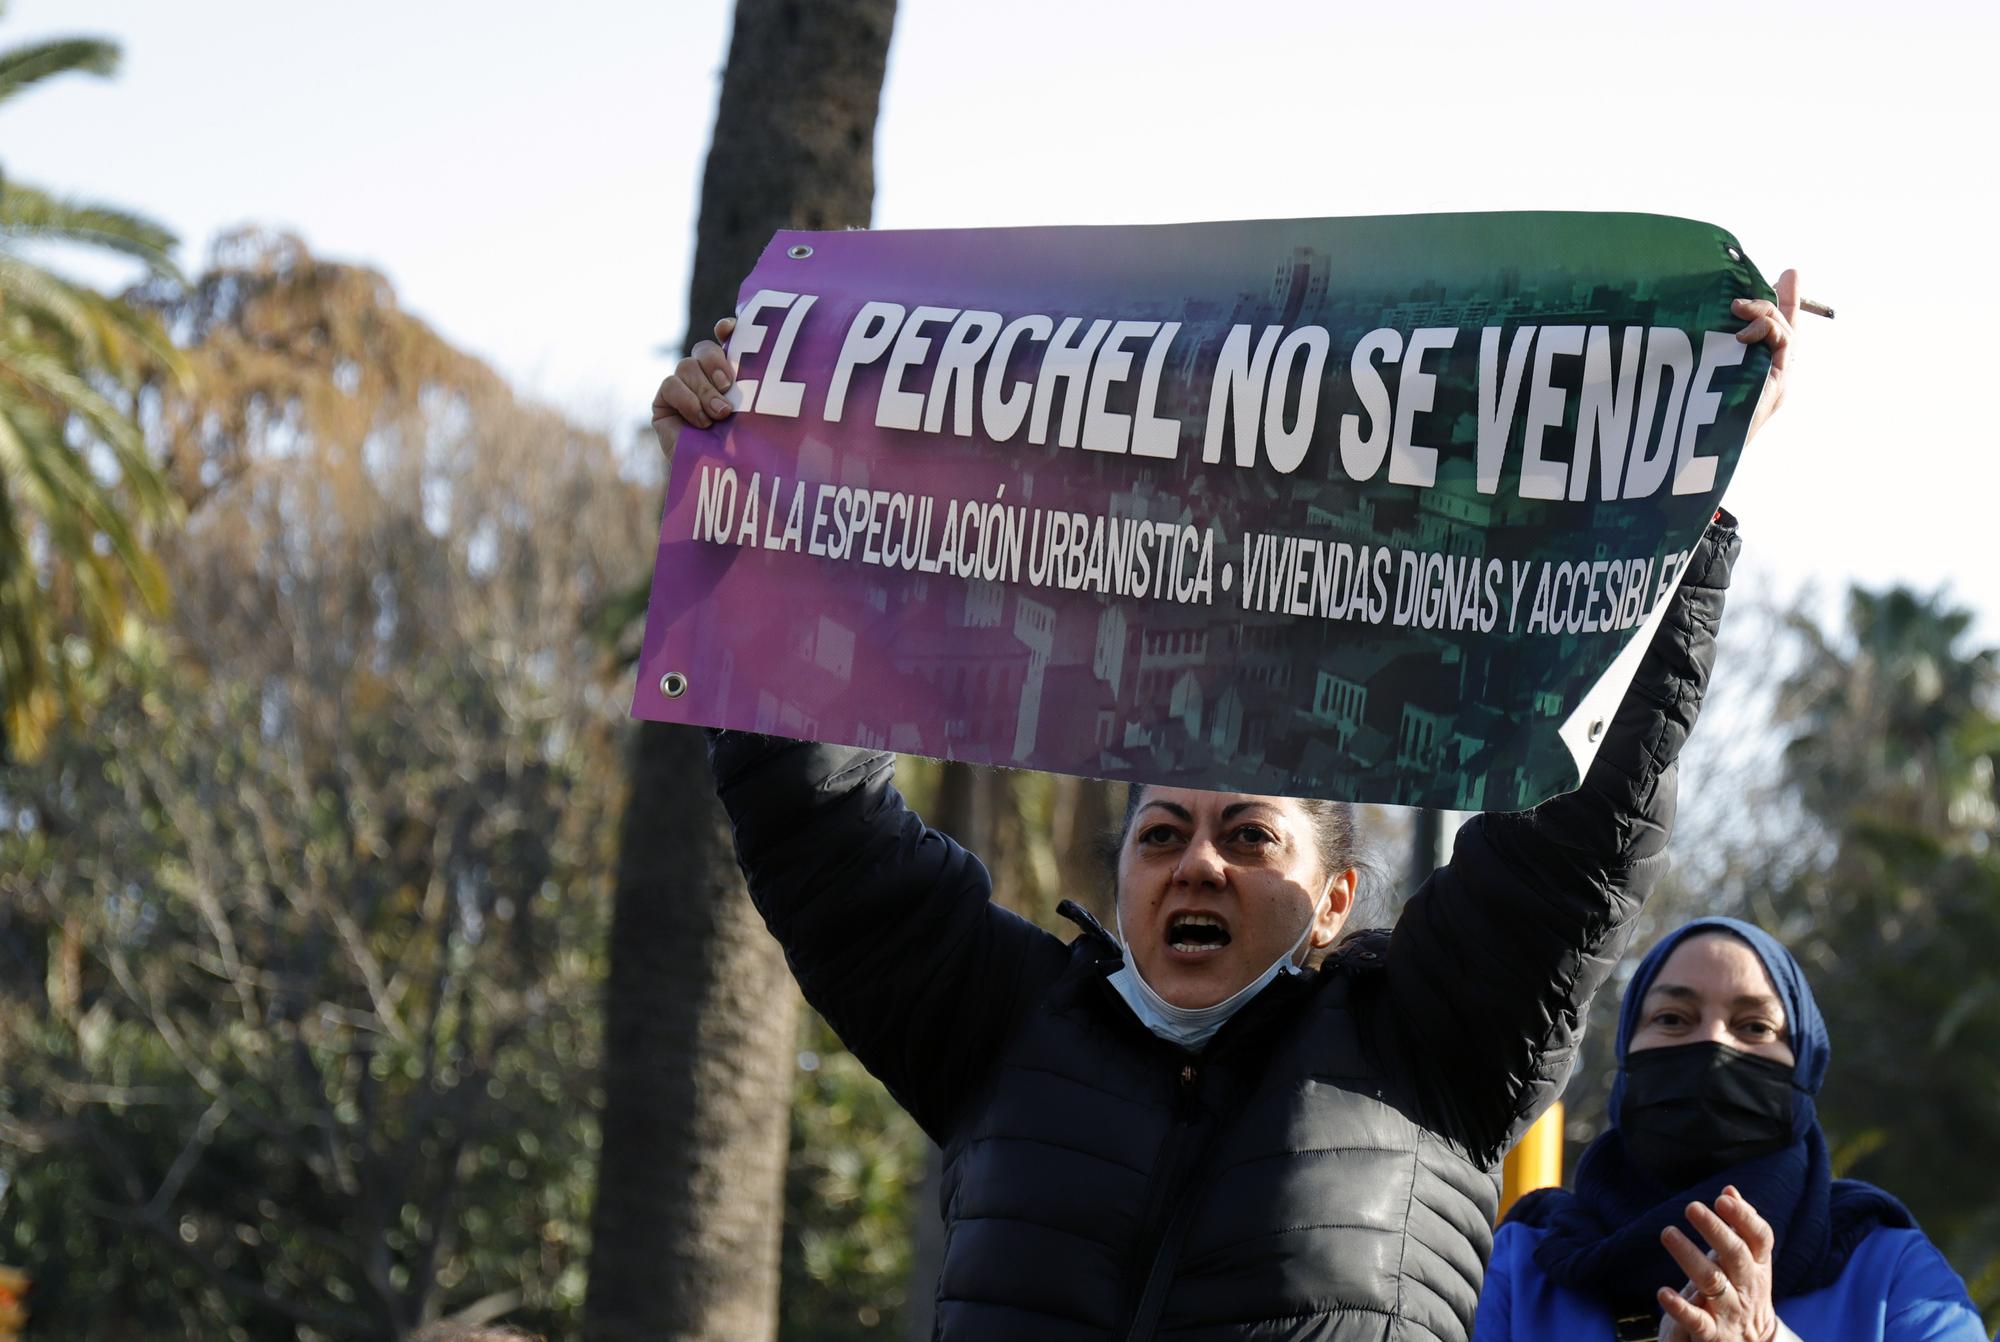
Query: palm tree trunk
x=794, y=143
x=699, y=1018
x=1086, y=814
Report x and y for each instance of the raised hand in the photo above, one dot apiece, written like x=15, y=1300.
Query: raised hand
x=693, y=392
x=1770, y=324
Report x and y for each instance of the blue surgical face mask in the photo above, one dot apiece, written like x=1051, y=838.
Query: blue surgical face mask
x=1192, y=1027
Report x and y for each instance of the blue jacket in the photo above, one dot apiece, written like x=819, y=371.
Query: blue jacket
x=1896, y=1288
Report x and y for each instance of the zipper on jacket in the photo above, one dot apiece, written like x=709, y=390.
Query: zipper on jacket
x=1167, y=1171
x=1173, y=1185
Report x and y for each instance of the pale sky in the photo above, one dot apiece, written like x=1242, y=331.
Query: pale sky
x=526, y=175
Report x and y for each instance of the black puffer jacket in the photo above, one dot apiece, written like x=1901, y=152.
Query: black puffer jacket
x=1323, y=1169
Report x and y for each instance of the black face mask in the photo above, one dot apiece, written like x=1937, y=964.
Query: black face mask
x=1694, y=1110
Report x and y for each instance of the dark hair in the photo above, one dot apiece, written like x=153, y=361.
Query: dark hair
x=1336, y=838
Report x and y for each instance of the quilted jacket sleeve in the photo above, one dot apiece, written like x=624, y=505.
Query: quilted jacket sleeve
x=1493, y=963
x=886, y=923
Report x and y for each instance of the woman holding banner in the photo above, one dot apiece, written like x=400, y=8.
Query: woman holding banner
x=1720, y=1049
x=1183, y=1132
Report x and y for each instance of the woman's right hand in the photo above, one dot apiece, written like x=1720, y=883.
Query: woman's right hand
x=692, y=393
x=1728, y=1294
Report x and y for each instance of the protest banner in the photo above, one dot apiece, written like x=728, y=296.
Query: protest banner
x=1357, y=508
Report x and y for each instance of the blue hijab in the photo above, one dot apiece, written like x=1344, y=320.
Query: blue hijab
x=1603, y=1240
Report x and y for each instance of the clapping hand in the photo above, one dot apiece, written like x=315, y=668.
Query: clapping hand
x=1728, y=1293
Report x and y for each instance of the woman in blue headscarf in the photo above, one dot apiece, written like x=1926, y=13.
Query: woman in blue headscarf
x=1714, y=1142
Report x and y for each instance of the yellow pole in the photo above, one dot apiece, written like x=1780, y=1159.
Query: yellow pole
x=1536, y=1160
x=13, y=1303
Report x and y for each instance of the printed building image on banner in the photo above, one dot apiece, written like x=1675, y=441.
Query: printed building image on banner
x=1354, y=508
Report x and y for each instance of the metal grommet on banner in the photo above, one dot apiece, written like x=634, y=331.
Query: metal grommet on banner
x=798, y=251
x=1734, y=255
x=1596, y=728
x=673, y=684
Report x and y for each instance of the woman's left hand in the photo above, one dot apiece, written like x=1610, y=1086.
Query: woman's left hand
x=1728, y=1295
x=1770, y=324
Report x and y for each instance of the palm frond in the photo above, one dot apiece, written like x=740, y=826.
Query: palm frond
x=76, y=510
x=73, y=535
x=61, y=387
x=27, y=705
x=64, y=309
x=93, y=330
x=28, y=212
x=25, y=66
x=33, y=371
